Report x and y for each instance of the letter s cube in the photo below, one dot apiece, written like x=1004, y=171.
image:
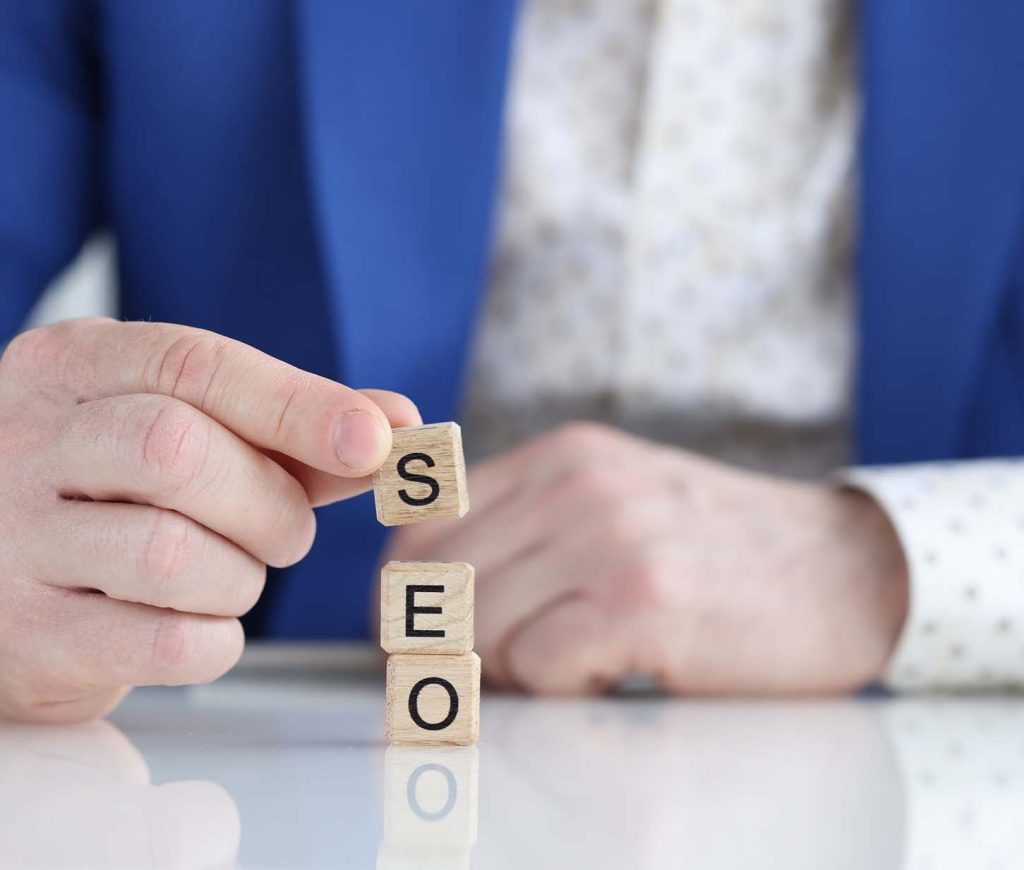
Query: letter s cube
x=424, y=476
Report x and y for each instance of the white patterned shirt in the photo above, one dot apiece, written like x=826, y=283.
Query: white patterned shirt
x=674, y=258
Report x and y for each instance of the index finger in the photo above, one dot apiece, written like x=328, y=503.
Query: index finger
x=263, y=400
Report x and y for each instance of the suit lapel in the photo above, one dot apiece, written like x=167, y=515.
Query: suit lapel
x=403, y=104
x=943, y=186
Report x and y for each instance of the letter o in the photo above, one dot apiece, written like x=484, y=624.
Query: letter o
x=449, y=804
x=414, y=698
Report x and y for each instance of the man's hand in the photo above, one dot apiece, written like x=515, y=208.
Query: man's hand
x=599, y=555
x=149, y=474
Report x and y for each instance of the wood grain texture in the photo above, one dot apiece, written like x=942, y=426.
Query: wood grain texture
x=430, y=798
x=424, y=476
x=443, y=691
x=426, y=586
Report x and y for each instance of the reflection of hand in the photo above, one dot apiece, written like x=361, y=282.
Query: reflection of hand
x=164, y=467
x=716, y=785
x=598, y=555
x=80, y=797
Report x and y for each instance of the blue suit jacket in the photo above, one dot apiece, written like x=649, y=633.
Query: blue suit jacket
x=317, y=179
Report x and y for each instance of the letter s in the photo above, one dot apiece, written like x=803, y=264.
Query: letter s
x=405, y=474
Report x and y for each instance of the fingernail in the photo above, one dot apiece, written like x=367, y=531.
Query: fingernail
x=359, y=441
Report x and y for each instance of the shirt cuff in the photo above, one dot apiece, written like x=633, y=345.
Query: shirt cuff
x=961, y=525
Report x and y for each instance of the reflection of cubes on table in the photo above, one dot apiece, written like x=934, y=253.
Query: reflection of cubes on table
x=389, y=858
x=424, y=476
x=426, y=607
x=430, y=800
x=433, y=699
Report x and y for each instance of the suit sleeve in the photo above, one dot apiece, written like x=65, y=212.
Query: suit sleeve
x=961, y=524
x=49, y=145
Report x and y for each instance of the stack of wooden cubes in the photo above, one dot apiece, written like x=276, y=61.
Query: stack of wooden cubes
x=426, y=608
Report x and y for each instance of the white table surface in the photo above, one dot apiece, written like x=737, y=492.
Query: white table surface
x=283, y=764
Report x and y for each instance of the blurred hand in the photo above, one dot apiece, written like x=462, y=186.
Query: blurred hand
x=149, y=473
x=599, y=555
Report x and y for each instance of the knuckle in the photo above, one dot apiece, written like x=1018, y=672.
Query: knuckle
x=188, y=649
x=173, y=445
x=47, y=354
x=591, y=484
x=648, y=584
x=38, y=349
x=176, y=641
x=622, y=527
x=169, y=554
x=187, y=368
x=582, y=437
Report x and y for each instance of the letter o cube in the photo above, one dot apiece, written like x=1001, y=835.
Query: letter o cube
x=433, y=700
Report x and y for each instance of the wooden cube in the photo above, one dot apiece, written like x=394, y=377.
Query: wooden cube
x=433, y=699
x=424, y=476
x=430, y=798
x=426, y=607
